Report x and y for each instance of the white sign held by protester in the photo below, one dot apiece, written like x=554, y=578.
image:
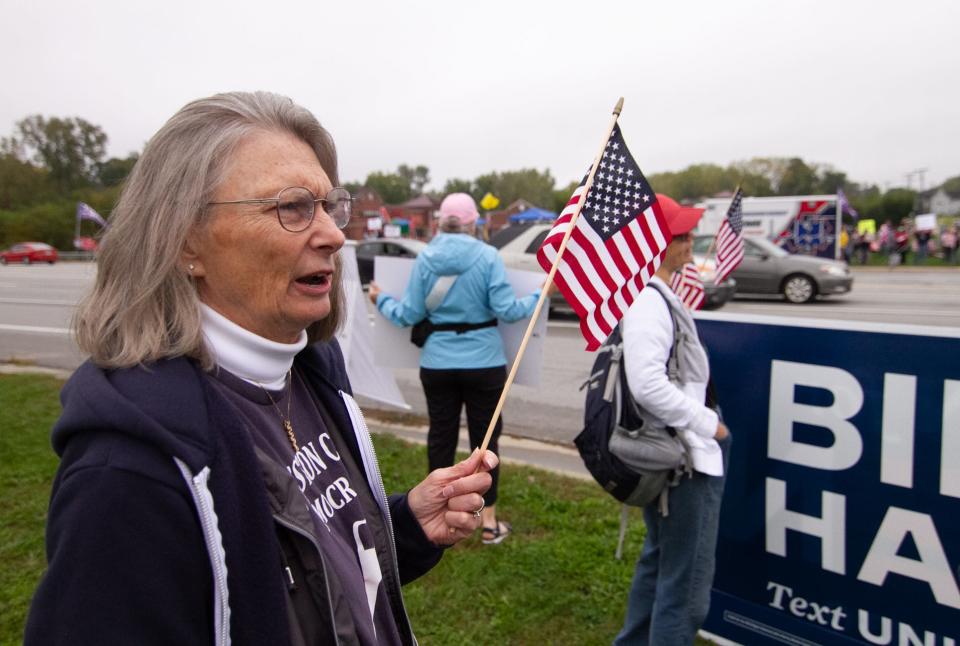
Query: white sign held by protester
x=392, y=344
x=925, y=222
x=356, y=340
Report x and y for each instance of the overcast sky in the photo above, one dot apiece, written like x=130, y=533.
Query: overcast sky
x=468, y=88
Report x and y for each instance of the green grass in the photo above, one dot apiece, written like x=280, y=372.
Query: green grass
x=883, y=260
x=554, y=581
x=28, y=407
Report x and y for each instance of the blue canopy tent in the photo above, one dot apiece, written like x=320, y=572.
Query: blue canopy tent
x=533, y=215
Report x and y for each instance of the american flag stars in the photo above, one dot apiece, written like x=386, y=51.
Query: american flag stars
x=616, y=196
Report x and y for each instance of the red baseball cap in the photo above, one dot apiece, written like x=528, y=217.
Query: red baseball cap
x=680, y=219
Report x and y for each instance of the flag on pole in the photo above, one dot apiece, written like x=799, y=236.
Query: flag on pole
x=616, y=245
x=687, y=285
x=844, y=204
x=730, y=239
x=85, y=212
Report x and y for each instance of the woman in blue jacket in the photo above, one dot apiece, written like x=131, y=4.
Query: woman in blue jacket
x=460, y=284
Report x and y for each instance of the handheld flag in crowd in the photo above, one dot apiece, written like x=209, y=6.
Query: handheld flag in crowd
x=616, y=244
x=687, y=285
x=85, y=212
x=730, y=238
x=489, y=201
x=844, y=205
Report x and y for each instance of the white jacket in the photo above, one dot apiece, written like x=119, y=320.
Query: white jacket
x=647, y=340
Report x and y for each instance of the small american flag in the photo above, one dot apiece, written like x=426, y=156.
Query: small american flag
x=85, y=212
x=687, y=285
x=616, y=246
x=730, y=239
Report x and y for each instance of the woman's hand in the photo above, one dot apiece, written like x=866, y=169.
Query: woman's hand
x=446, y=501
x=374, y=291
x=722, y=431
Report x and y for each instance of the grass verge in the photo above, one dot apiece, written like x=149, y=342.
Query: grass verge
x=28, y=407
x=554, y=581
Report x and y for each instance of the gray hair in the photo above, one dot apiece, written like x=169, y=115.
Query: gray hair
x=143, y=306
x=452, y=224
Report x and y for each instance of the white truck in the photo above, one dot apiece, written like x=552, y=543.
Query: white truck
x=805, y=224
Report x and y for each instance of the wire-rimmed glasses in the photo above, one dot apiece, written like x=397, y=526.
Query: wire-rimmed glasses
x=296, y=206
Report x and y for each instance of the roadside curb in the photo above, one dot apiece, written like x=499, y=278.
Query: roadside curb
x=16, y=368
x=550, y=457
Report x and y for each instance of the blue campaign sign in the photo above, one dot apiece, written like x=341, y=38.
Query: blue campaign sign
x=841, y=515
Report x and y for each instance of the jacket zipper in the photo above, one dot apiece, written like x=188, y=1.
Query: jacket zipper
x=326, y=583
x=211, y=533
x=356, y=417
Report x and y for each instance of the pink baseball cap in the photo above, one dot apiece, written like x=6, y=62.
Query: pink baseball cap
x=460, y=206
x=680, y=219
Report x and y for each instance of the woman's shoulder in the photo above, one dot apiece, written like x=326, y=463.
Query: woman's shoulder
x=162, y=406
x=650, y=305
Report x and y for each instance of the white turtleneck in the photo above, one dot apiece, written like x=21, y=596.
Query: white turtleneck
x=251, y=357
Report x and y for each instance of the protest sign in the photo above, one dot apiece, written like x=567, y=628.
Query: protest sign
x=842, y=504
x=392, y=344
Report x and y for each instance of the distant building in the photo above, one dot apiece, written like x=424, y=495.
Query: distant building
x=367, y=213
x=942, y=202
x=420, y=211
x=370, y=213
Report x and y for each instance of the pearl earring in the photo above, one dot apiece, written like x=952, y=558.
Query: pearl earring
x=190, y=268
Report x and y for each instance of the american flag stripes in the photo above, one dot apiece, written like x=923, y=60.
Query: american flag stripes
x=730, y=239
x=687, y=285
x=616, y=245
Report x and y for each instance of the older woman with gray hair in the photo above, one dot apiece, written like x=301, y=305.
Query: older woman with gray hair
x=217, y=482
x=458, y=290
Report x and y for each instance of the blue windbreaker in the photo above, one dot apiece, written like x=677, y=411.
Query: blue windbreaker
x=480, y=293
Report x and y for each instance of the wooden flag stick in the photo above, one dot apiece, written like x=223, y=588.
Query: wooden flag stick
x=549, y=282
x=713, y=242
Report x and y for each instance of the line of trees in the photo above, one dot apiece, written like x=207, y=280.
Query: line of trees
x=759, y=177
x=47, y=165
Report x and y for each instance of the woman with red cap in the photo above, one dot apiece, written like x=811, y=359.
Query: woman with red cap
x=670, y=594
x=459, y=287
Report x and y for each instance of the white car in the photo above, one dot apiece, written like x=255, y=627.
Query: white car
x=518, y=247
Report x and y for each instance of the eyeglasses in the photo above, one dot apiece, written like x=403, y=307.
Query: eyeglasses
x=297, y=205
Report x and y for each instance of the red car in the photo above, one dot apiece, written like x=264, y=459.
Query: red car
x=28, y=252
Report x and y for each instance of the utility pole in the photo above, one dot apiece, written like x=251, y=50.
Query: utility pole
x=919, y=172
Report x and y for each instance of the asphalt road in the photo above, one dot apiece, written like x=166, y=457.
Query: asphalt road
x=36, y=303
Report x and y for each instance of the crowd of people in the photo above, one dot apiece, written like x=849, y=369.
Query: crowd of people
x=901, y=244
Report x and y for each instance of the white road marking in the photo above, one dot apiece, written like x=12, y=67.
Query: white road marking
x=34, y=329
x=36, y=301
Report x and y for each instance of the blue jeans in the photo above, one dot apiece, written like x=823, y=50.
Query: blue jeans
x=670, y=595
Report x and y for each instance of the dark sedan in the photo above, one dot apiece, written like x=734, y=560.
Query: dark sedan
x=768, y=269
x=367, y=250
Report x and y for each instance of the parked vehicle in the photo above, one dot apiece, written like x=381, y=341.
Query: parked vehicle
x=768, y=269
x=29, y=252
x=518, y=247
x=367, y=250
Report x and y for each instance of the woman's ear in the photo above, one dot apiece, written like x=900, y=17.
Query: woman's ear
x=190, y=257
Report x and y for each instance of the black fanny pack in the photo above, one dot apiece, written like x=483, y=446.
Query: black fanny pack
x=422, y=330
